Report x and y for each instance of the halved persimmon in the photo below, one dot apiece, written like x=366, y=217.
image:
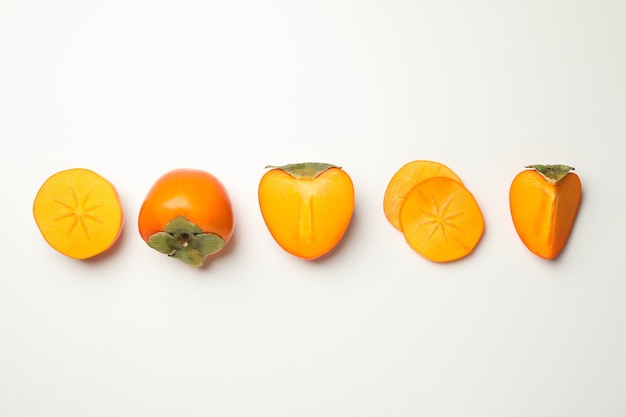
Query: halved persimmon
x=78, y=213
x=307, y=207
x=187, y=214
x=406, y=178
x=441, y=220
x=544, y=202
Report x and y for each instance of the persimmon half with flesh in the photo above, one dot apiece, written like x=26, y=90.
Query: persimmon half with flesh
x=78, y=213
x=544, y=202
x=409, y=175
x=187, y=214
x=307, y=207
x=441, y=220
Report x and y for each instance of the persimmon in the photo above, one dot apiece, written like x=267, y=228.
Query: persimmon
x=406, y=178
x=544, y=202
x=441, y=220
x=78, y=213
x=187, y=214
x=307, y=207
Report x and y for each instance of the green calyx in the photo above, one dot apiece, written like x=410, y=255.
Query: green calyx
x=184, y=240
x=552, y=173
x=309, y=170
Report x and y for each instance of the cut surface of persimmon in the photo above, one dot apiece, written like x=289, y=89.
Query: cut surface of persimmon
x=406, y=178
x=78, y=213
x=441, y=220
x=544, y=202
x=307, y=207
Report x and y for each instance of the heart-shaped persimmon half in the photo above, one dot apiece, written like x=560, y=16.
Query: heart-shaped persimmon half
x=307, y=207
x=544, y=203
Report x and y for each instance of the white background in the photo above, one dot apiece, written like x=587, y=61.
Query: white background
x=131, y=89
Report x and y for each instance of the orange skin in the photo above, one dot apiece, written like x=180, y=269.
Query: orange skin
x=307, y=216
x=194, y=194
x=543, y=210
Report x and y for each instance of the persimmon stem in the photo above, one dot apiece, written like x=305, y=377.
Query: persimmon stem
x=552, y=173
x=309, y=170
x=184, y=240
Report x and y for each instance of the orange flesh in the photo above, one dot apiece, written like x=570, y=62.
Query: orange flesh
x=406, y=178
x=441, y=220
x=78, y=213
x=307, y=217
x=544, y=213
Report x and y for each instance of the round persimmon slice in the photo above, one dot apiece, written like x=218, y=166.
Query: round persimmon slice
x=78, y=213
x=441, y=220
x=406, y=178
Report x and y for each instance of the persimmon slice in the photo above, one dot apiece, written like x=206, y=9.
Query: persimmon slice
x=406, y=178
x=78, y=213
x=441, y=220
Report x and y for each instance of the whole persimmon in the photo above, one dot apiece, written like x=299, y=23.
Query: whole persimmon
x=544, y=201
x=307, y=207
x=187, y=214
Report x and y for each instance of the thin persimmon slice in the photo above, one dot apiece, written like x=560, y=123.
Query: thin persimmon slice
x=406, y=178
x=78, y=213
x=441, y=220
